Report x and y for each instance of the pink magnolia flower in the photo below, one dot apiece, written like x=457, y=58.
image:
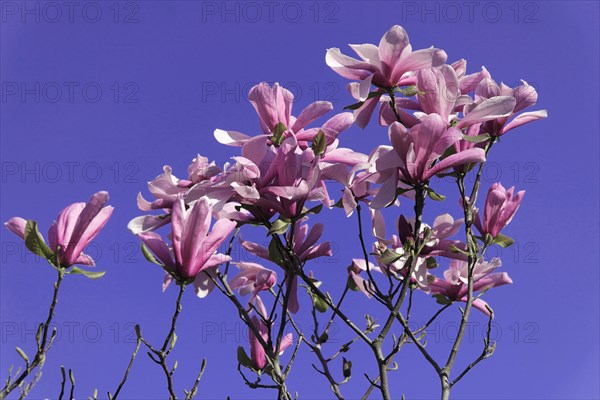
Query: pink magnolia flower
x=500, y=208
x=194, y=245
x=264, y=156
x=436, y=242
x=386, y=66
x=288, y=179
x=414, y=157
x=439, y=91
x=524, y=95
x=253, y=278
x=468, y=83
x=454, y=286
x=75, y=227
x=166, y=188
x=257, y=352
x=357, y=267
x=305, y=248
x=274, y=106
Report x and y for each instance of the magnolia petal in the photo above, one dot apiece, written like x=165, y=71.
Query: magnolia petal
x=17, y=226
x=524, y=118
x=231, y=138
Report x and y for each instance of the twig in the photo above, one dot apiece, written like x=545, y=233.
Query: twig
x=129, y=366
x=192, y=393
x=43, y=344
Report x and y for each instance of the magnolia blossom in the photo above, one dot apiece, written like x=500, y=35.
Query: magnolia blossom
x=166, y=188
x=253, y=278
x=500, y=208
x=386, y=66
x=468, y=83
x=75, y=227
x=305, y=247
x=414, y=157
x=524, y=96
x=274, y=108
x=435, y=239
x=194, y=245
x=257, y=352
x=454, y=286
x=354, y=272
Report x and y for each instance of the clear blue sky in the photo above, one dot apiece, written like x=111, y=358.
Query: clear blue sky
x=100, y=96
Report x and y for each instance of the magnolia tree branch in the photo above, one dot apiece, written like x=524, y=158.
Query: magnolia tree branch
x=159, y=356
x=44, y=340
x=488, y=350
x=129, y=366
x=273, y=361
x=474, y=254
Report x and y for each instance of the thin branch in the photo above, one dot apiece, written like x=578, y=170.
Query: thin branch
x=161, y=355
x=62, y=383
x=194, y=390
x=43, y=344
x=129, y=366
x=488, y=350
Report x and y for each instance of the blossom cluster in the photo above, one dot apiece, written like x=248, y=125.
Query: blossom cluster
x=441, y=122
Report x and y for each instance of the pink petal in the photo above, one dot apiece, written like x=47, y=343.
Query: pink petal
x=231, y=138
x=17, y=226
x=348, y=67
x=311, y=113
x=496, y=107
x=524, y=118
x=475, y=155
x=255, y=249
x=156, y=244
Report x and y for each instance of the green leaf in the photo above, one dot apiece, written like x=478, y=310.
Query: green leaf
x=448, y=152
x=315, y=210
x=319, y=144
x=441, y=299
x=389, y=257
x=149, y=256
x=278, y=133
x=435, y=196
x=401, y=191
x=339, y=204
x=477, y=139
x=274, y=253
x=320, y=304
x=503, y=241
x=408, y=91
x=431, y=263
x=35, y=242
x=88, y=274
x=354, y=106
x=352, y=285
x=243, y=358
x=23, y=355
x=278, y=227
x=358, y=105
